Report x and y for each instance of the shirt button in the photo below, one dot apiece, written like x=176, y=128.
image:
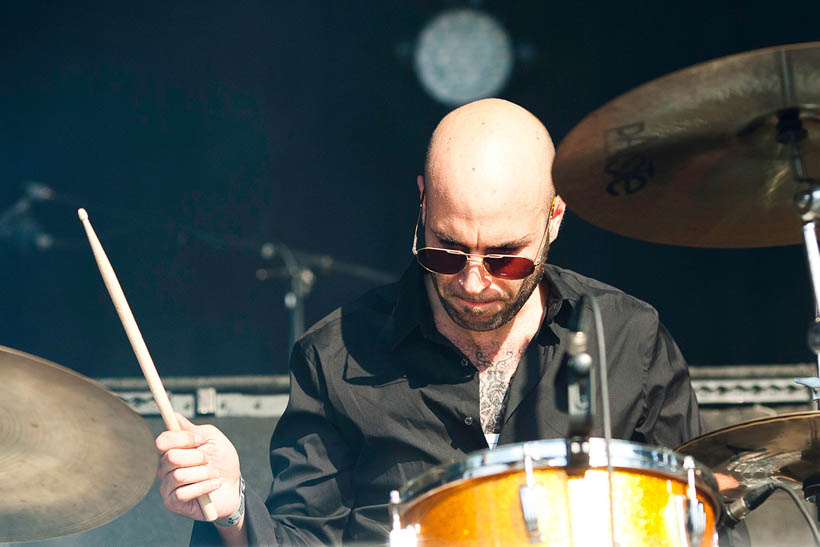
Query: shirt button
x=468, y=420
x=464, y=362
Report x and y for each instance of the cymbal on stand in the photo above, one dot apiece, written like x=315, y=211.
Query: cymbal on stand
x=784, y=448
x=692, y=158
x=73, y=456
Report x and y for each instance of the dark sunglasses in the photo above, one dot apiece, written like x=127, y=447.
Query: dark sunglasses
x=451, y=262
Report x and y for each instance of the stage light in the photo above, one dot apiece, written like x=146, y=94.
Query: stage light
x=463, y=54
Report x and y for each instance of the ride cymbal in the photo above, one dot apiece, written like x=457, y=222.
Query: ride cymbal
x=73, y=456
x=783, y=448
x=693, y=159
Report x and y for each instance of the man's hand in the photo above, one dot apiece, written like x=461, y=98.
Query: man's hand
x=726, y=483
x=195, y=461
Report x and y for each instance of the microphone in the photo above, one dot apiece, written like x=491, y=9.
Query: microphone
x=738, y=509
x=580, y=392
x=579, y=368
x=579, y=320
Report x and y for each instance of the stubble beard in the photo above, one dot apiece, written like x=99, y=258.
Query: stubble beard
x=477, y=321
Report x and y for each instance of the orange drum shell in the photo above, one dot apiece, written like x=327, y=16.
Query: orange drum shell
x=487, y=510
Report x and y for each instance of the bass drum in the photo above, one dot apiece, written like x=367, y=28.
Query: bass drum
x=525, y=494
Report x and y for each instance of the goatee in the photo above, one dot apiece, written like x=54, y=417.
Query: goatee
x=475, y=321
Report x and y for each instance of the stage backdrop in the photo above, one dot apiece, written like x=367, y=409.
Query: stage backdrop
x=195, y=131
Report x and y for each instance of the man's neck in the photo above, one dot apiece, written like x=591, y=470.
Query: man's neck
x=513, y=336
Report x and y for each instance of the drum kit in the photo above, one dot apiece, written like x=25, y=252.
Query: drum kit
x=716, y=155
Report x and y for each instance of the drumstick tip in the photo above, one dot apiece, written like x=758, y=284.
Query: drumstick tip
x=82, y=214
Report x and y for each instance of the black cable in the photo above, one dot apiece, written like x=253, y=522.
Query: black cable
x=799, y=503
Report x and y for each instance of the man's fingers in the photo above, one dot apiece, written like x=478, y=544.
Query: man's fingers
x=189, y=475
x=175, y=458
x=178, y=439
x=185, y=423
x=725, y=482
x=190, y=492
x=181, y=500
x=183, y=476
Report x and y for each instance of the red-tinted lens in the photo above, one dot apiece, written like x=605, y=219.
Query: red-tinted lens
x=509, y=267
x=440, y=261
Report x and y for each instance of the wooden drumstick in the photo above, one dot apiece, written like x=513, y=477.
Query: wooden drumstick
x=140, y=349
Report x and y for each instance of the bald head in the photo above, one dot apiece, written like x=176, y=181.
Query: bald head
x=487, y=155
x=487, y=189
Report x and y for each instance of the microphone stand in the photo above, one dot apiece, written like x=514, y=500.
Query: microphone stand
x=580, y=403
x=581, y=397
x=299, y=268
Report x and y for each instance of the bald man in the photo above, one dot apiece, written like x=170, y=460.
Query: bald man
x=464, y=353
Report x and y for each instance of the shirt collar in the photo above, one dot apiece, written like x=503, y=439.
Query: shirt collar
x=562, y=301
x=412, y=309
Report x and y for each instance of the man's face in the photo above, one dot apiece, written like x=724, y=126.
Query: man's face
x=487, y=311
x=474, y=299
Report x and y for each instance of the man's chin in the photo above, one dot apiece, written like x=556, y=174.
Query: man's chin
x=477, y=326
x=471, y=319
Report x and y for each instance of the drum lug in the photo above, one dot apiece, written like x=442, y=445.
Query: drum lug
x=691, y=509
x=401, y=537
x=532, y=501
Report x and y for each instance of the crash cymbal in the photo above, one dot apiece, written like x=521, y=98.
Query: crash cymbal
x=783, y=448
x=73, y=456
x=692, y=157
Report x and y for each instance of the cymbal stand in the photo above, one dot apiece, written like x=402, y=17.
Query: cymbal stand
x=790, y=131
x=807, y=201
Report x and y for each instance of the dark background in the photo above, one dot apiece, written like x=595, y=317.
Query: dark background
x=301, y=122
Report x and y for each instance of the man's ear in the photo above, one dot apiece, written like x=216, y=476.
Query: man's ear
x=557, y=216
x=420, y=183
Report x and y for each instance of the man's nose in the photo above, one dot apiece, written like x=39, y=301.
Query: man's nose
x=475, y=277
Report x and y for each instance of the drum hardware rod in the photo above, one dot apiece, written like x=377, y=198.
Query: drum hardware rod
x=401, y=537
x=786, y=77
x=790, y=131
x=532, y=497
x=395, y=500
x=694, y=514
x=813, y=333
x=132, y=330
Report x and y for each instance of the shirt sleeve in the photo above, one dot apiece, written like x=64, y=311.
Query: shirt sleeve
x=311, y=460
x=670, y=412
x=311, y=497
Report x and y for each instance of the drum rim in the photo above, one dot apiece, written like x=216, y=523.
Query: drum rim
x=551, y=453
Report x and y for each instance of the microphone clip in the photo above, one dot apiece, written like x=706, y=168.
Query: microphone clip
x=580, y=386
x=580, y=402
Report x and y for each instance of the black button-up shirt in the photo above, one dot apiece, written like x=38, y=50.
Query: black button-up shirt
x=378, y=396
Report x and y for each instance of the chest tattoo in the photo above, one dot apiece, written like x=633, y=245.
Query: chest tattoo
x=494, y=379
